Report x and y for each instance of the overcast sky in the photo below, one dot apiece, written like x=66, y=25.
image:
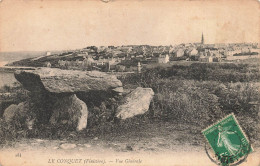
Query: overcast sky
x=57, y=25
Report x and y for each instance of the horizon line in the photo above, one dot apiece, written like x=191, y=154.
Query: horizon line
x=124, y=45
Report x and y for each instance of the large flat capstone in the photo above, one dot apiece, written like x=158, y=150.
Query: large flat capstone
x=66, y=81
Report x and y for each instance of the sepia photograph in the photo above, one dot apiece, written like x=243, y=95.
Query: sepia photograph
x=129, y=82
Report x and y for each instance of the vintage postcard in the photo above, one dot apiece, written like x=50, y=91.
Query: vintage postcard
x=129, y=82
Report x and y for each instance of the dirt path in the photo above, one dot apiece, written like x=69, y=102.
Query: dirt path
x=45, y=152
x=154, y=144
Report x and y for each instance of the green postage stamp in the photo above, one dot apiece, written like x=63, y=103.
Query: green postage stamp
x=228, y=140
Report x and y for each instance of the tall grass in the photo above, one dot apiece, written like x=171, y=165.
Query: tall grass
x=203, y=100
x=198, y=95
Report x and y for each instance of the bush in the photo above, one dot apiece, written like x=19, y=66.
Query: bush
x=199, y=102
x=185, y=102
x=223, y=72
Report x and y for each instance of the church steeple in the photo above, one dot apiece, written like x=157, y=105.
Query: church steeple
x=202, y=39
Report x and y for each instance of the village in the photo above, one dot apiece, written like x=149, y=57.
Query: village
x=131, y=58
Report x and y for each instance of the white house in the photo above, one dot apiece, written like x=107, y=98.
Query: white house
x=48, y=53
x=48, y=64
x=179, y=53
x=193, y=52
x=206, y=59
x=163, y=58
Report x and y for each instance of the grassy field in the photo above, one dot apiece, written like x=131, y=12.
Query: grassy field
x=202, y=93
x=187, y=99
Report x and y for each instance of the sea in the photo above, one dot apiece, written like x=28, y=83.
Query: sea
x=7, y=75
x=7, y=78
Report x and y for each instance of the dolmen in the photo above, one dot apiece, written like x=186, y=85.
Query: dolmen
x=56, y=97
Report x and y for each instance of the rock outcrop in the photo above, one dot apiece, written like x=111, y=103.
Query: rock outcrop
x=10, y=112
x=70, y=111
x=68, y=146
x=135, y=103
x=22, y=113
x=66, y=81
